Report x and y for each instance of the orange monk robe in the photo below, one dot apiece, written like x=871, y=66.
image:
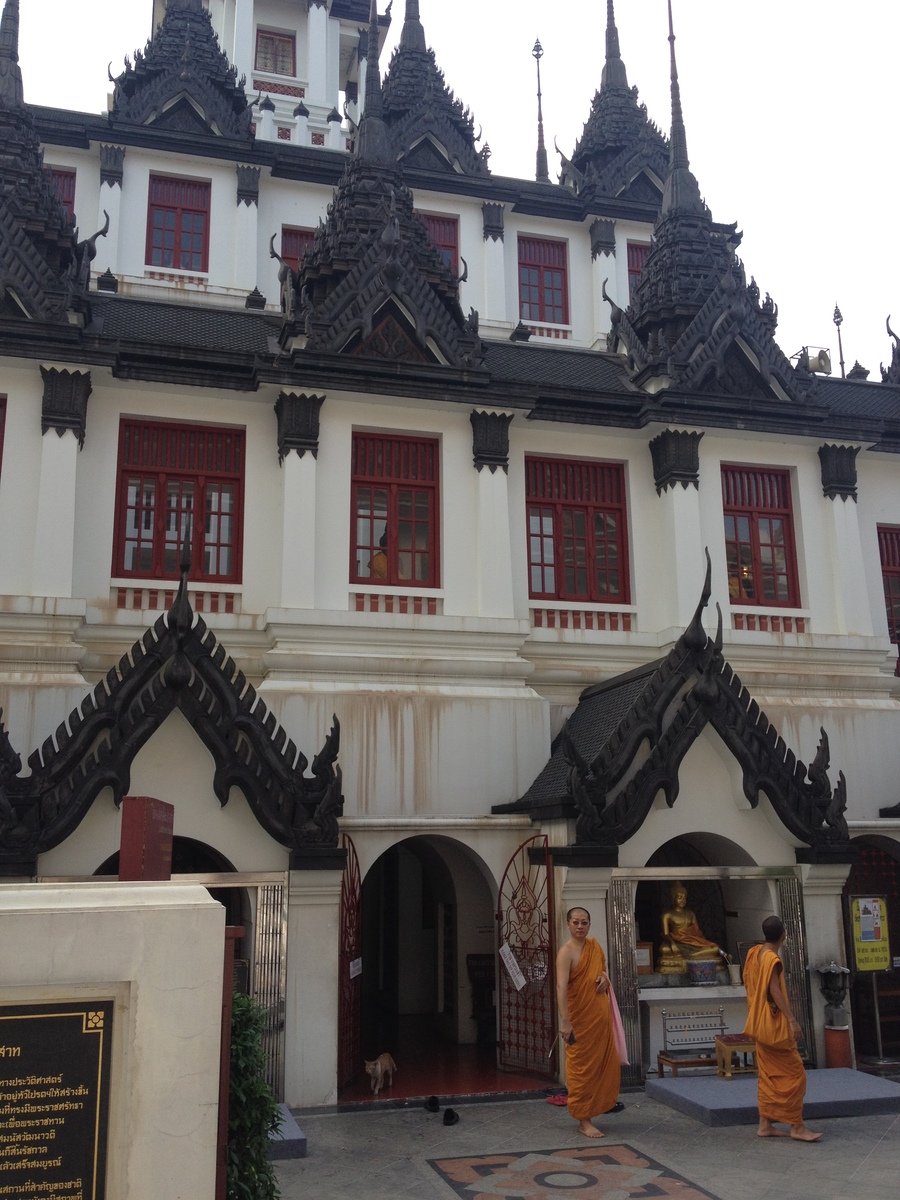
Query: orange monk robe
x=592, y=1063
x=691, y=935
x=782, y=1079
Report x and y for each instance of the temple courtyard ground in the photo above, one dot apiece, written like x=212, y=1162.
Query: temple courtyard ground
x=526, y=1149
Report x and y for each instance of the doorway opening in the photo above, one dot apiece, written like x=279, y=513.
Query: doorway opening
x=876, y=873
x=428, y=930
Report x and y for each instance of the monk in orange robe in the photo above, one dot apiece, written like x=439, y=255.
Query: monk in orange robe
x=585, y=1024
x=782, y=1079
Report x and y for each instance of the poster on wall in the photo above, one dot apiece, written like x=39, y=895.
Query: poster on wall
x=871, y=944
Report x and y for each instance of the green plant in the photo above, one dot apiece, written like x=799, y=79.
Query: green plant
x=253, y=1112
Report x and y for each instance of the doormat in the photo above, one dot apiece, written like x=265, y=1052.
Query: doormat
x=604, y=1172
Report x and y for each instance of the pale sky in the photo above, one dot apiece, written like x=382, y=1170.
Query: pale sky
x=791, y=111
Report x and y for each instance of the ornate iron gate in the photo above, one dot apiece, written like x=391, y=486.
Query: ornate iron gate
x=350, y=968
x=269, y=977
x=525, y=926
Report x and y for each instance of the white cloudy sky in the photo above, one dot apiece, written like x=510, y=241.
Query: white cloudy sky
x=791, y=110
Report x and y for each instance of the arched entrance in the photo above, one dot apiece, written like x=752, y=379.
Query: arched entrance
x=876, y=873
x=427, y=910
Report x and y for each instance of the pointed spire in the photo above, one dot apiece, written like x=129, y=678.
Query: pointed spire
x=682, y=190
x=11, y=91
x=542, y=173
x=374, y=146
x=413, y=35
x=614, y=71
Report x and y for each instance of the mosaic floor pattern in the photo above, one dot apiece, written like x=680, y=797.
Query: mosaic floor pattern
x=607, y=1172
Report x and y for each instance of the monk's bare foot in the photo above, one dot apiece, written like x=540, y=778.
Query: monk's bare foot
x=801, y=1134
x=590, y=1130
x=767, y=1129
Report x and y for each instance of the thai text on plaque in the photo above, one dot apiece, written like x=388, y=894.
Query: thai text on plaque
x=54, y=1100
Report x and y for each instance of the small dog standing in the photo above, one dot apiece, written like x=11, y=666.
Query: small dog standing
x=381, y=1070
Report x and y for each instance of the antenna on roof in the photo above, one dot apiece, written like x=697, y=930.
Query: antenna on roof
x=542, y=174
x=838, y=320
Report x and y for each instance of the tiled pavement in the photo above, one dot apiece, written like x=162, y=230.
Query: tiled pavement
x=394, y=1153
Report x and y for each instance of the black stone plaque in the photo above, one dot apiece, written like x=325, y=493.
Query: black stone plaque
x=54, y=1100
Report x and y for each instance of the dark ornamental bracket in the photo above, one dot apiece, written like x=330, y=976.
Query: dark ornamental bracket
x=247, y=184
x=65, y=401
x=676, y=459
x=298, y=423
x=839, y=471
x=177, y=664
x=490, y=440
x=492, y=215
x=112, y=165
x=603, y=237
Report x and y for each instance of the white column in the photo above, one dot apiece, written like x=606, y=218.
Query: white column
x=853, y=611
x=823, y=886
x=54, y=536
x=244, y=48
x=495, y=583
x=245, y=245
x=681, y=559
x=112, y=163
x=298, y=517
x=311, y=1012
x=495, y=308
x=317, y=60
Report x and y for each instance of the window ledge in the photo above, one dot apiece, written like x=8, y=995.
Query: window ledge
x=134, y=596
x=554, y=332
x=413, y=602
x=757, y=620
x=603, y=619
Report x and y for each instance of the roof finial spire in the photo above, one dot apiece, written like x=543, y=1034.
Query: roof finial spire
x=614, y=71
x=682, y=191
x=373, y=139
x=413, y=35
x=542, y=174
x=11, y=92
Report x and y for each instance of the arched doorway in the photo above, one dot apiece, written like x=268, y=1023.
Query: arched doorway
x=427, y=910
x=876, y=873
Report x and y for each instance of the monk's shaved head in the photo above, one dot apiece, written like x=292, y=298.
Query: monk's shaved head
x=577, y=908
x=773, y=928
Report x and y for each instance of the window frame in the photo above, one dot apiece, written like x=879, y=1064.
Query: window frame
x=738, y=481
x=277, y=35
x=555, y=487
x=446, y=246
x=405, y=459
x=202, y=189
x=889, y=554
x=305, y=236
x=636, y=256
x=546, y=247
x=164, y=452
x=62, y=182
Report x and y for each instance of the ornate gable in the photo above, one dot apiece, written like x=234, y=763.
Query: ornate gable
x=627, y=739
x=182, y=81
x=178, y=664
x=420, y=108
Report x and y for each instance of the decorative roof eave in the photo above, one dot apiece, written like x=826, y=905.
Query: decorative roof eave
x=692, y=687
x=177, y=664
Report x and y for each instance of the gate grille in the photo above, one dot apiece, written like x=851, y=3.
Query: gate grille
x=524, y=907
x=269, y=970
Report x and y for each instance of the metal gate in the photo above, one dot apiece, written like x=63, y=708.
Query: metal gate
x=350, y=968
x=525, y=927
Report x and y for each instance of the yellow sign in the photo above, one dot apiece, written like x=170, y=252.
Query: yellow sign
x=871, y=944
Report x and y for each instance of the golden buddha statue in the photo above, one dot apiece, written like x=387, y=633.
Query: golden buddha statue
x=683, y=938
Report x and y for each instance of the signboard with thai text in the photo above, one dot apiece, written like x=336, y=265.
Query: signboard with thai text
x=871, y=944
x=54, y=1100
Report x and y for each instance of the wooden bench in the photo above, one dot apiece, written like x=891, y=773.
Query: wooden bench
x=689, y=1039
x=729, y=1049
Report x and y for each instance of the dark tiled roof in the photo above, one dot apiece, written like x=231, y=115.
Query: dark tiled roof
x=861, y=398
x=183, y=325
x=352, y=10
x=545, y=365
x=600, y=711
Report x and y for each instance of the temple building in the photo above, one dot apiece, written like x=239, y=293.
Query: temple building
x=449, y=549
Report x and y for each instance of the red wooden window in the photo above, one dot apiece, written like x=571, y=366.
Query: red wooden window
x=889, y=547
x=296, y=244
x=172, y=478
x=759, y=536
x=62, y=183
x=443, y=233
x=275, y=53
x=543, y=281
x=637, y=255
x=395, y=510
x=577, y=535
x=178, y=224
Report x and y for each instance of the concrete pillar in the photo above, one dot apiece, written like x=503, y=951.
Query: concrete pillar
x=244, y=48
x=246, y=228
x=603, y=272
x=853, y=613
x=317, y=60
x=311, y=1012
x=54, y=535
x=298, y=546
x=490, y=446
x=679, y=537
x=495, y=302
x=112, y=165
x=823, y=885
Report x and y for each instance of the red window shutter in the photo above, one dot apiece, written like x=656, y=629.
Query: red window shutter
x=443, y=233
x=637, y=256
x=395, y=503
x=889, y=549
x=577, y=530
x=296, y=244
x=543, y=281
x=62, y=183
x=178, y=224
x=759, y=536
x=173, y=477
